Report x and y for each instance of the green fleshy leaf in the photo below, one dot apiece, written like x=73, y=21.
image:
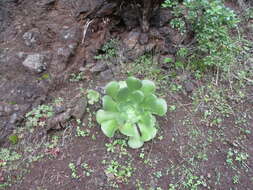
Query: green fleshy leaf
x=121, y=119
x=168, y=60
x=122, y=84
x=155, y=105
x=112, y=89
x=133, y=83
x=147, y=132
x=135, y=142
x=148, y=87
x=123, y=94
x=137, y=96
x=148, y=119
x=150, y=102
x=109, y=104
x=109, y=127
x=129, y=130
x=123, y=106
x=160, y=107
x=103, y=115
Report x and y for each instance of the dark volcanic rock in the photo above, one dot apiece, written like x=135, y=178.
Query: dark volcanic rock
x=31, y=37
x=10, y=117
x=106, y=75
x=5, y=20
x=143, y=38
x=131, y=40
x=3, y=16
x=75, y=108
x=189, y=86
x=162, y=18
x=17, y=96
x=129, y=17
x=98, y=67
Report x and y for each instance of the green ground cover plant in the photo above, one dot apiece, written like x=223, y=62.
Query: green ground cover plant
x=210, y=23
x=37, y=116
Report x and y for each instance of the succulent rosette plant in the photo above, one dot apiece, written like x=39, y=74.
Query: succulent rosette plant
x=129, y=106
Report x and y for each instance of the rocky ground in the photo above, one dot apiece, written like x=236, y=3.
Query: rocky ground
x=40, y=48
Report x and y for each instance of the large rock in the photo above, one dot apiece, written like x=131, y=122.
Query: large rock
x=62, y=113
x=10, y=116
x=36, y=62
x=61, y=57
x=106, y=75
x=131, y=40
x=133, y=49
x=189, y=86
x=249, y=63
x=99, y=67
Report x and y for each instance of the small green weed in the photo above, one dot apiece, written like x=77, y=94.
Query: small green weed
x=45, y=76
x=121, y=172
x=76, y=77
x=82, y=133
x=53, y=143
x=73, y=171
x=13, y=139
x=7, y=156
x=158, y=174
x=38, y=115
x=173, y=186
x=109, y=50
x=93, y=96
x=87, y=171
x=117, y=145
x=193, y=182
x=58, y=101
x=145, y=66
x=211, y=21
x=236, y=179
x=236, y=156
x=213, y=104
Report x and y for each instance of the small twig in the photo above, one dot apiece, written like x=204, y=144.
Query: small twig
x=44, y=175
x=63, y=139
x=229, y=77
x=85, y=28
x=244, y=78
x=150, y=149
x=217, y=76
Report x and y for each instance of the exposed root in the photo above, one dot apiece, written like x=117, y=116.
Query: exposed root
x=85, y=28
